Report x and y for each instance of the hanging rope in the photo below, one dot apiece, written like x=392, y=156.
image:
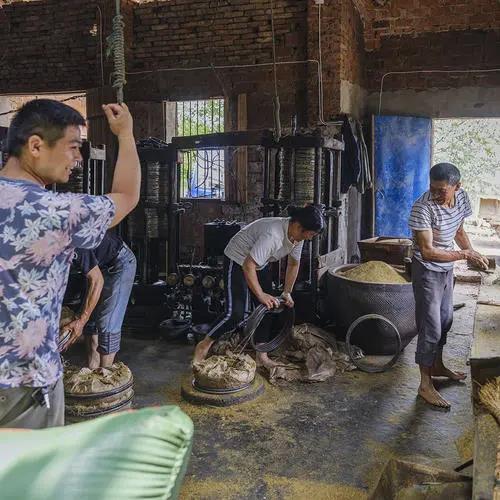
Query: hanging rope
x=276, y=98
x=116, y=48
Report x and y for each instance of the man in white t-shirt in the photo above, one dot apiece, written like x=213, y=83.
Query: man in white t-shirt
x=436, y=220
x=246, y=257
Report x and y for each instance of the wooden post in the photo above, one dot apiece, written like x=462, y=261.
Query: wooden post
x=242, y=157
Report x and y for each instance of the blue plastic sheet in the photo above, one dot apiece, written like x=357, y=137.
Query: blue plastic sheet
x=402, y=154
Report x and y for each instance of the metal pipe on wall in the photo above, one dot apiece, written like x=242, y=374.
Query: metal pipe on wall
x=314, y=255
x=172, y=213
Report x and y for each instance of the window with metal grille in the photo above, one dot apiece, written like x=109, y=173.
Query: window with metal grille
x=202, y=170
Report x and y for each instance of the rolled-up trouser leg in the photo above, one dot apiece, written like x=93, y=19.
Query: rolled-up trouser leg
x=429, y=290
x=107, y=319
x=109, y=343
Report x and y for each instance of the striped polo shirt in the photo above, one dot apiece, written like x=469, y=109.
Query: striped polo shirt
x=444, y=222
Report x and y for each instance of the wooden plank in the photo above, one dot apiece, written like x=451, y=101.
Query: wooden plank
x=223, y=139
x=155, y=154
x=330, y=261
x=242, y=156
x=485, y=349
x=254, y=138
x=486, y=437
x=309, y=141
x=149, y=119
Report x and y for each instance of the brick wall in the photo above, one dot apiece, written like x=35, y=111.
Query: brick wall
x=180, y=34
x=440, y=51
x=330, y=41
x=405, y=17
x=53, y=45
x=189, y=32
x=48, y=46
x=352, y=50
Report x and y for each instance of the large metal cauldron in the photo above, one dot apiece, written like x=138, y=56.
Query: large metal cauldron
x=348, y=300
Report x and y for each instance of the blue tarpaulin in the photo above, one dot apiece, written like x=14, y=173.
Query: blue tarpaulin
x=402, y=155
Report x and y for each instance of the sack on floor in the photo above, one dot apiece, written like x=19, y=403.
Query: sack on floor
x=225, y=372
x=310, y=354
x=86, y=381
x=129, y=455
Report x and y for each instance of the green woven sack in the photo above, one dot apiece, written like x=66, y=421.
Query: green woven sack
x=130, y=455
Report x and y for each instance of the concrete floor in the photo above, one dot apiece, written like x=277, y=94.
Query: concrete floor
x=320, y=441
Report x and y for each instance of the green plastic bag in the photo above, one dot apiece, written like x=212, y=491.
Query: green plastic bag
x=129, y=455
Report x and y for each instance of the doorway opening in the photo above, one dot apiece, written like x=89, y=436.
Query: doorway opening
x=473, y=145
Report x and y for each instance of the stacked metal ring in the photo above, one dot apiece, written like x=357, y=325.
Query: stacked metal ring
x=74, y=184
x=304, y=176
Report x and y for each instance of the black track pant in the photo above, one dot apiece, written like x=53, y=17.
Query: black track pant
x=237, y=296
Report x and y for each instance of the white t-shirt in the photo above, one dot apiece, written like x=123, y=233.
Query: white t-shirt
x=265, y=240
x=443, y=221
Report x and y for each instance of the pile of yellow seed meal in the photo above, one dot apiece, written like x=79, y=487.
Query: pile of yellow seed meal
x=375, y=271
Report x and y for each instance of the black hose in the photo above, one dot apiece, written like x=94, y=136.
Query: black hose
x=350, y=350
x=253, y=321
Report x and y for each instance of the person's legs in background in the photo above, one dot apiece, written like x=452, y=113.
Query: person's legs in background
x=428, y=288
x=91, y=345
x=264, y=330
x=439, y=369
x=235, y=291
x=110, y=311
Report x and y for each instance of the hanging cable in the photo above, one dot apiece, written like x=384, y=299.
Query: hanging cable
x=276, y=98
x=101, y=61
x=116, y=49
x=80, y=96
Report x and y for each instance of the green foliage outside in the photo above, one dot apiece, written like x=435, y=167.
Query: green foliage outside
x=197, y=118
x=473, y=145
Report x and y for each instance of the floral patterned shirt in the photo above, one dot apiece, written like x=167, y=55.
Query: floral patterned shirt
x=39, y=230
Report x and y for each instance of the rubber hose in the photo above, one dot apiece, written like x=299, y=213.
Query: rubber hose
x=355, y=362
x=254, y=320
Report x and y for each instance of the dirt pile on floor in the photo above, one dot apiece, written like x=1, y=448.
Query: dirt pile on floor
x=86, y=381
x=225, y=371
x=375, y=271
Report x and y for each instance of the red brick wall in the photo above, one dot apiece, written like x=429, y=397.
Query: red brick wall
x=405, y=17
x=180, y=33
x=440, y=51
x=352, y=53
x=190, y=32
x=53, y=45
x=48, y=46
x=330, y=41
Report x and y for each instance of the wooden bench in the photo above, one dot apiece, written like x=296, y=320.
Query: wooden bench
x=484, y=365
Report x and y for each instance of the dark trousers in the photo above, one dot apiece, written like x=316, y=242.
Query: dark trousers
x=238, y=295
x=433, y=292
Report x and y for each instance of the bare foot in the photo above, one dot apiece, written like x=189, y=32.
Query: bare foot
x=201, y=349
x=442, y=371
x=93, y=360
x=263, y=359
x=431, y=396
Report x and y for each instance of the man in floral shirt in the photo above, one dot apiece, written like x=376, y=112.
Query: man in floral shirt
x=39, y=231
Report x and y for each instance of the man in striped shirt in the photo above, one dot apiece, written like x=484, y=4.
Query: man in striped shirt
x=436, y=220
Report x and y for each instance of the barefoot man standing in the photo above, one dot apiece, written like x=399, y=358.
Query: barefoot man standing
x=437, y=221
